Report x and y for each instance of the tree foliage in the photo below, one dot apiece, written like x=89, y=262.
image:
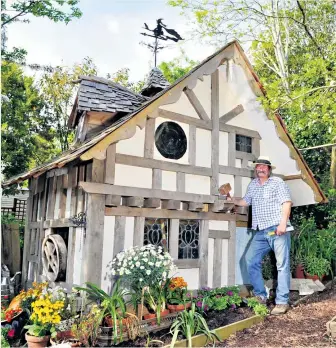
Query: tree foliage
x=122, y=78
x=58, y=90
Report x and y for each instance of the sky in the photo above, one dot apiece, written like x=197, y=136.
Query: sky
x=109, y=33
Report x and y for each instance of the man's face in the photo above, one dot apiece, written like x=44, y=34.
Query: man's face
x=262, y=170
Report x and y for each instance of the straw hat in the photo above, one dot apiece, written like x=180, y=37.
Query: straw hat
x=262, y=160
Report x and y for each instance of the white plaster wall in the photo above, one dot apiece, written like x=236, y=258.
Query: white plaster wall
x=301, y=193
x=197, y=184
x=227, y=178
x=129, y=232
x=133, y=146
x=203, y=147
x=182, y=106
x=245, y=183
x=109, y=222
x=78, y=258
x=168, y=180
x=218, y=225
x=191, y=276
x=158, y=156
x=211, y=245
x=225, y=260
x=202, y=91
x=133, y=176
x=223, y=148
x=238, y=163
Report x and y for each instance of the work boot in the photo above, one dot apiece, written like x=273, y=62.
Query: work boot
x=280, y=309
x=261, y=300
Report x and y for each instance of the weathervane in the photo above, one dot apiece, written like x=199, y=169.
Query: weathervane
x=159, y=34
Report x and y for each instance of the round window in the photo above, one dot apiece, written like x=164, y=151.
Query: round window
x=171, y=140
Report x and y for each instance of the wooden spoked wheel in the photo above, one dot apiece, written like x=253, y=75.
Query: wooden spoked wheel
x=54, y=257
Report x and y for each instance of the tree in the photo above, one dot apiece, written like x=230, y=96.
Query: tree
x=177, y=68
x=122, y=78
x=58, y=91
x=27, y=137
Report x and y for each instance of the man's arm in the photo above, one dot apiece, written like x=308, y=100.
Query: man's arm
x=239, y=201
x=286, y=210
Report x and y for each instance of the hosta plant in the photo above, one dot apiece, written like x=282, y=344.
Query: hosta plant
x=190, y=323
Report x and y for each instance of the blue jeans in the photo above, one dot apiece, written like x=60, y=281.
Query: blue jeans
x=261, y=245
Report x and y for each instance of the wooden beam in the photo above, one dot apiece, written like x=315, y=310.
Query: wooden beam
x=170, y=204
x=157, y=178
x=293, y=177
x=203, y=253
x=223, y=127
x=152, y=203
x=219, y=234
x=217, y=264
x=180, y=182
x=112, y=200
x=134, y=201
x=139, y=228
x=245, y=156
x=232, y=150
x=238, y=186
x=98, y=170
x=157, y=164
x=187, y=263
x=194, y=101
x=215, y=131
x=119, y=234
x=110, y=164
x=174, y=225
x=149, y=138
x=232, y=254
x=128, y=191
x=192, y=145
x=231, y=114
x=236, y=171
x=51, y=197
x=171, y=115
x=256, y=147
x=168, y=214
x=195, y=206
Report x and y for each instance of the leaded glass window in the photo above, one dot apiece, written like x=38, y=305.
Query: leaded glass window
x=156, y=232
x=243, y=143
x=188, y=247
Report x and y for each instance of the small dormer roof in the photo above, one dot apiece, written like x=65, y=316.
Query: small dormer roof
x=99, y=94
x=155, y=83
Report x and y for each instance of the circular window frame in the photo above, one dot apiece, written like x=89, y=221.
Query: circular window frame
x=165, y=145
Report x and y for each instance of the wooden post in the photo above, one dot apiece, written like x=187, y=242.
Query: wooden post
x=174, y=225
x=149, y=137
x=232, y=254
x=119, y=235
x=10, y=247
x=217, y=263
x=204, y=238
x=215, y=131
x=139, y=228
x=192, y=145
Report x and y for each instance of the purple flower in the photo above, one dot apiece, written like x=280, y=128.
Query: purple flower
x=199, y=304
x=206, y=308
x=233, y=306
x=230, y=293
x=200, y=296
x=188, y=295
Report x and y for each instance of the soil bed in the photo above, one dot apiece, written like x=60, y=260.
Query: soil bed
x=302, y=326
x=213, y=319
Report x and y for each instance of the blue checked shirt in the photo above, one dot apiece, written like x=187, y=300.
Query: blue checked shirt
x=266, y=201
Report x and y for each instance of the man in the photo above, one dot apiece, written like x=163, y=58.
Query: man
x=271, y=206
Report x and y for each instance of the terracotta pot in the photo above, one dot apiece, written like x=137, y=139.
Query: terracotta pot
x=299, y=271
x=164, y=313
x=178, y=307
x=108, y=321
x=37, y=342
x=314, y=277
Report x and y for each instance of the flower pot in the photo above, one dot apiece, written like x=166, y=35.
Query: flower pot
x=299, y=271
x=178, y=307
x=109, y=322
x=36, y=342
x=314, y=277
x=150, y=316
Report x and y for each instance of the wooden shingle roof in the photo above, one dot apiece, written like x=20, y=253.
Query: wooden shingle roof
x=155, y=83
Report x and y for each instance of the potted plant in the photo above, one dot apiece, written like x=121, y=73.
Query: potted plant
x=45, y=315
x=178, y=297
x=316, y=267
x=141, y=268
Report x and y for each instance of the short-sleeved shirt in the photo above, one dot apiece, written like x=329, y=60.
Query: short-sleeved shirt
x=266, y=201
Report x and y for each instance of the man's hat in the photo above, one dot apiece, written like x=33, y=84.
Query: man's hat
x=262, y=160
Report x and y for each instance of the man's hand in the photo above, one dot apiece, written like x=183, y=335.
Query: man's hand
x=281, y=229
x=238, y=201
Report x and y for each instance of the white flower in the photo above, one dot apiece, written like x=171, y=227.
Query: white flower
x=145, y=253
x=121, y=271
x=140, y=280
x=113, y=272
x=157, y=264
x=135, y=258
x=153, y=252
x=164, y=274
x=132, y=266
x=148, y=272
x=127, y=271
x=120, y=256
x=137, y=264
x=142, y=267
x=145, y=259
x=151, y=263
x=119, y=263
x=161, y=257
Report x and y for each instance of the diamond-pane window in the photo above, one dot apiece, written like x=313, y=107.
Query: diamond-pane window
x=188, y=247
x=243, y=143
x=156, y=232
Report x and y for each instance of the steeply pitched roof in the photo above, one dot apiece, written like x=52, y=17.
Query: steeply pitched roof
x=104, y=138
x=155, y=83
x=99, y=94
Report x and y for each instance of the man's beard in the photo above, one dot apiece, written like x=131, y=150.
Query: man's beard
x=261, y=172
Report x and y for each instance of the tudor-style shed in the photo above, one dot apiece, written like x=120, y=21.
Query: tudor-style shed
x=147, y=168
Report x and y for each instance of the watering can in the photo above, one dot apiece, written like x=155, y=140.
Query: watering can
x=8, y=284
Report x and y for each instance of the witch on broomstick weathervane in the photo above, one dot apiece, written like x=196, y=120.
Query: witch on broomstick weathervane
x=160, y=33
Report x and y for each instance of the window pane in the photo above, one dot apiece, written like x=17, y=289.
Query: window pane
x=188, y=239
x=243, y=143
x=156, y=232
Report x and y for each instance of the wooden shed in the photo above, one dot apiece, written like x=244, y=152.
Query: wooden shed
x=146, y=168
